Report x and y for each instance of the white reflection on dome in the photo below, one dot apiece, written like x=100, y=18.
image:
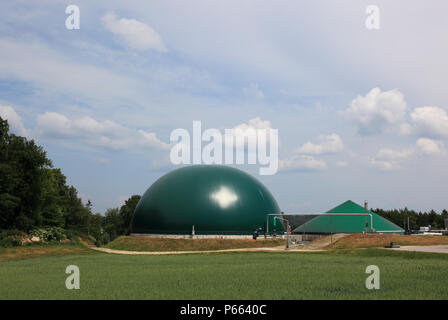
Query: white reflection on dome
x=224, y=197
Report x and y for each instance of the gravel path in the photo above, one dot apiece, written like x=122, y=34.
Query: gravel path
x=276, y=249
x=434, y=249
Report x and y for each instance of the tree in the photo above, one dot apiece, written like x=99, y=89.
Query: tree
x=416, y=219
x=127, y=213
x=22, y=165
x=32, y=193
x=96, y=230
x=113, y=223
x=53, y=201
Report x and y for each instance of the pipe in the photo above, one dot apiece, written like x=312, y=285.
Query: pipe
x=318, y=215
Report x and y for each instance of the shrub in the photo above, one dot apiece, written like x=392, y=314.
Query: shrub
x=49, y=233
x=11, y=238
x=10, y=242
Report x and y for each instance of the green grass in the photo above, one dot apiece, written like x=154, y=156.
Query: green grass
x=323, y=275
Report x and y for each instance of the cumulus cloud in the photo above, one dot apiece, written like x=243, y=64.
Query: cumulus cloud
x=405, y=129
x=106, y=134
x=431, y=121
x=255, y=123
x=14, y=121
x=331, y=143
x=249, y=131
x=150, y=140
x=429, y=146
x=302, y=162
x=253, y=91
x=389, y=154
x=388, y=159
x=377, y=109
x=134, y=33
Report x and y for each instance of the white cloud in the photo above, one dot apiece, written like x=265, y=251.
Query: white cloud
x=253, y=91
x=48, y=69
x=150, y=139
x=14, y=121
x=249, y=130
x=106, y=134
x=341, y=164
x=377, y=109
x=431, y=121
x=134, y=33
x=385, y=165
x=429, y=146
x=389, y=154
x=255, y=123
x=388, y=159
x=302, y=162
x=331, y=143
x=405, y=129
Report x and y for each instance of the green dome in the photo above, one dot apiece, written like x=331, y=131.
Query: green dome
x=215, y=199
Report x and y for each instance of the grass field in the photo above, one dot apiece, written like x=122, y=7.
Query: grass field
x=163, y=244
x=321, y=275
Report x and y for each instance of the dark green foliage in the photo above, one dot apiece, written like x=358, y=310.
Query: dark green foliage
x=117, y=222
x=22, y=165
x=49, y=233
x=127, y=213
x=35, y=197
x=11, y=238
x=32, y=193
x=416, y=219
x=113, y=223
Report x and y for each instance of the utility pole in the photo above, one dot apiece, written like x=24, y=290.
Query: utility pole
x=331, y=229
x=366, y=208
x=288, y=229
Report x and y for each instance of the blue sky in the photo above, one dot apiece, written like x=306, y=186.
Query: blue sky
x=361, y=114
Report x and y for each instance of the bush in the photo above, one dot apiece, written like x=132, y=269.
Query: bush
x=10, y=242
x=11, y=238
x=49, y=233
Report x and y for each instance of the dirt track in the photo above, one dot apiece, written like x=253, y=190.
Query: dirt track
x=314, y=246
x=276, y=249
x=433, y=249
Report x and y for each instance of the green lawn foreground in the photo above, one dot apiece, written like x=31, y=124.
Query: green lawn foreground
x=323, y=275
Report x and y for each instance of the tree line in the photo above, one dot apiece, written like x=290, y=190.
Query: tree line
x=35, y=194
x=416, y=219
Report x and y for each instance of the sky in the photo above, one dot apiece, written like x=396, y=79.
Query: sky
x=361, y=113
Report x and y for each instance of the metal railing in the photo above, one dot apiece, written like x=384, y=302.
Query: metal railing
x=318, y=215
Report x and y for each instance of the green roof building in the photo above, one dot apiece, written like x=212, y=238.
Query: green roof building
x=348, y=217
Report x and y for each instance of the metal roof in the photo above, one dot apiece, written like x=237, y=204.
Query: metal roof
x=342, y=222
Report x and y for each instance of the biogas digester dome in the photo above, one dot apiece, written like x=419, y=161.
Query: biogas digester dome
x=215, y=199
